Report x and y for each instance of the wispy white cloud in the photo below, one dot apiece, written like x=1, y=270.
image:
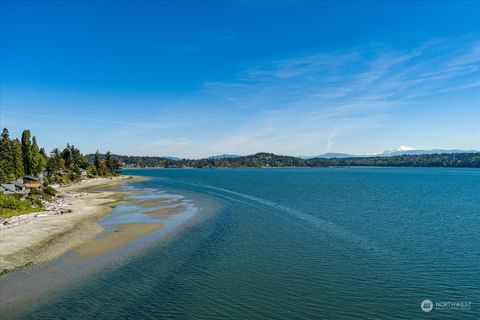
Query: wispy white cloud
x=306, y=102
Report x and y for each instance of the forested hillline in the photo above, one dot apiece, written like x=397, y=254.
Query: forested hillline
x=29, y=174
x=24, y=157
x=265, y=160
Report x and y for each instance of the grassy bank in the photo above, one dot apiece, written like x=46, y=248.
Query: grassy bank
x=10, y=206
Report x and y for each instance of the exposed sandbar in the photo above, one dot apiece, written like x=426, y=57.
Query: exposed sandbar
x=44, y=238
x=122, y=234
x=164, y=212
x=151, y=203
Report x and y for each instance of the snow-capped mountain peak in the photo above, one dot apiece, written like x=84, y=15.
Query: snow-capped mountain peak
x=405, y=148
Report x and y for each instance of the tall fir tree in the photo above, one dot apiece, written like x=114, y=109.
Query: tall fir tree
x=36, y=157
x=27, y=152
x=67, y=157
x=6, y=164
x=108, y=161
x=96, y=161
x=17, y=158
x=42, y=160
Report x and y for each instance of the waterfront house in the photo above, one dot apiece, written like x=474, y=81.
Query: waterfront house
x=19, y=187
x=7, y=188
x=33, y=185
x=28, y=179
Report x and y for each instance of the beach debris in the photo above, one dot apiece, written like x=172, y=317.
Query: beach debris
x=59, y=205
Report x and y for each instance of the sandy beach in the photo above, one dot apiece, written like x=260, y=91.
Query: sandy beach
x=41, y=237
x=90, y=225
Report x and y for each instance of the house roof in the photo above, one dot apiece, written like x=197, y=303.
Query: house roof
x=31, y=178
x=33, y=185
x=8, y=186
x=17, y=184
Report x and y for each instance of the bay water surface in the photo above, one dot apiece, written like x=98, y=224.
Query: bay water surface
x=338, y=243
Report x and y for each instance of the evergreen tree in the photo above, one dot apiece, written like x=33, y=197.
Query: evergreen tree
x=67, y=157
x=42, y=160
x=53, y=163
x=4, y=140
x=3, y=176
x=26, y=157
x=52, y=167
x=36, y=157
x=108, y=162
x=6, y=163
x=17, y=158
x=27, y=152
x=102, y=170
x=116, y=166
x=96, y=162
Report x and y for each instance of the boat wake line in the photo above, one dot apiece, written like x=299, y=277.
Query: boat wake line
x=319, y=223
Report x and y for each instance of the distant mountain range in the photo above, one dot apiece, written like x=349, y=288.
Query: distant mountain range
x=156, y=161
x=402, y=150
x=224, y=156
x=417, y=152
x=330, y=155
x=429, y=158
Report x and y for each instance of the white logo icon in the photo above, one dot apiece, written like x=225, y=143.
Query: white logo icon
x=427, y=305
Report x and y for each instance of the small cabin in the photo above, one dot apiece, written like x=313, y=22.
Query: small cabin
x=33, y=185
x=7, y=188
x=28, y=179
x=19, y=187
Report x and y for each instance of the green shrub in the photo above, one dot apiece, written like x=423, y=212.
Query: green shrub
x=11, y=206
x=35, y=192
x=59, y=179
x=36, y=202
x=9, y=202
x=49, y=191
x=91, y=172
x=74, y=177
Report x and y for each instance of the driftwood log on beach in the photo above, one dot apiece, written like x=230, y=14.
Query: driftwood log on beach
x=59, y=205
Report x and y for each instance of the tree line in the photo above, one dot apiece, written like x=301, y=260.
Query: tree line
x=459, y=160
x=24, y=157
x=259, y=160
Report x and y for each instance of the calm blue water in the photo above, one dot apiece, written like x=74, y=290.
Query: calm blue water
x=346, y=243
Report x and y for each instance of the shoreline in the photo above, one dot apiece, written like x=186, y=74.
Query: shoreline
x=112, y=225
x=69, y=221
x=328, y=167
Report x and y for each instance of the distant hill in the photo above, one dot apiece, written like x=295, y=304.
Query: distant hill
x=401, y=151
x=270, y=160
x=419, y=152
x=330, y=155
x=465, y=159
x=140, y=161
x=224, y=156
x=258, y=160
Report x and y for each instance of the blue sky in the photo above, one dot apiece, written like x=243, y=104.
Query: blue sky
x=193, y=79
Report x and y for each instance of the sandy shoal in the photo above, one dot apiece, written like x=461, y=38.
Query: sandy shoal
x=122, y=234
x=45, y=238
